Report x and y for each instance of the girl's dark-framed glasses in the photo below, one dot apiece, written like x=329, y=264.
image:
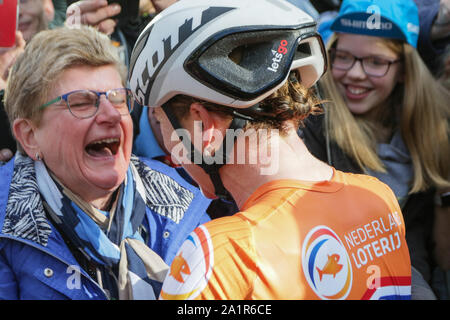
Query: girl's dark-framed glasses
x=373, y=66
x=84, y=104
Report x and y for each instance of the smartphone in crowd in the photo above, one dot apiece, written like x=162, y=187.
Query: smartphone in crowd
x=129, y=12
x=9, y=15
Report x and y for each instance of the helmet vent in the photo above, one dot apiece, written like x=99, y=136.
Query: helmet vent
x=303, y=51
x=236, y=55
x=246, y=56
x=238, y=62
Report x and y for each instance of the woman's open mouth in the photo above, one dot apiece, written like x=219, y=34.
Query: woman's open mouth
x=103, y=148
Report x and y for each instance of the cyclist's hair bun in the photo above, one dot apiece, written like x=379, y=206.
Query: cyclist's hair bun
x=290, y=102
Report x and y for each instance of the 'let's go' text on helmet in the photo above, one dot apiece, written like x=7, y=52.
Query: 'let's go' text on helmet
x=229, y=52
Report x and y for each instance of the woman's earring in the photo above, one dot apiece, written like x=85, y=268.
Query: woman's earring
x=38, y=156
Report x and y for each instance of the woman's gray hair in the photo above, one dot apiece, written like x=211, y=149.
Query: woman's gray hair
x=45, y=58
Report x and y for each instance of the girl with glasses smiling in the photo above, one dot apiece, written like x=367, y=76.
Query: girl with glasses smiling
x=388, y=116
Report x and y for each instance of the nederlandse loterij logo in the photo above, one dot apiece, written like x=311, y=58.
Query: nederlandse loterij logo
x=326, y=264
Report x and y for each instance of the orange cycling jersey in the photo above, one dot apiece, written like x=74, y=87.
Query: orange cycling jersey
x=337, y=239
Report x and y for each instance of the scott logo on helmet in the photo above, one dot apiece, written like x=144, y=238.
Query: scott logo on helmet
x=278, y=56
x=164, y=44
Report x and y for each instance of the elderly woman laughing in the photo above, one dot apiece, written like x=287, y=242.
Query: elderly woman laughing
x=80, y=217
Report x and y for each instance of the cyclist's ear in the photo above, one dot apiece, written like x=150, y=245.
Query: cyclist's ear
x=213, y=125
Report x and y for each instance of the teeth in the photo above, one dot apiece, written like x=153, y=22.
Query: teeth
x=354, y=90
x=110, y=140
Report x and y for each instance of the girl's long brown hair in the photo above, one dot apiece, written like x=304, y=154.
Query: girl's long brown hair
x=422, y=104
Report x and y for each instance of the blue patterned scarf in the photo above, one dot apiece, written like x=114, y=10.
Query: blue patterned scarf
x=113, y=242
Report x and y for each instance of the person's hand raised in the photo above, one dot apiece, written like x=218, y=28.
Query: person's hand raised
x=96, y=13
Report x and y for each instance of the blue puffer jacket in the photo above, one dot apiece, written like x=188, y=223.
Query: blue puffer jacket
x=31, y=268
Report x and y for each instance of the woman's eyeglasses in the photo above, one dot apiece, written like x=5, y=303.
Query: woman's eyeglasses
x=372, y=65
x=84, y=103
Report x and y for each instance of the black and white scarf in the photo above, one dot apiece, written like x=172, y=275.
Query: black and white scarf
x=113, y=241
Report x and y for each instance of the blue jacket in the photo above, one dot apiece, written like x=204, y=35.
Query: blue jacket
x=31, y=270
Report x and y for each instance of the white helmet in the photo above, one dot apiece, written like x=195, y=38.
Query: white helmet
x=229, y=52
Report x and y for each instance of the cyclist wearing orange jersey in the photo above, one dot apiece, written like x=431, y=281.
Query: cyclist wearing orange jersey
x=234, y=86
